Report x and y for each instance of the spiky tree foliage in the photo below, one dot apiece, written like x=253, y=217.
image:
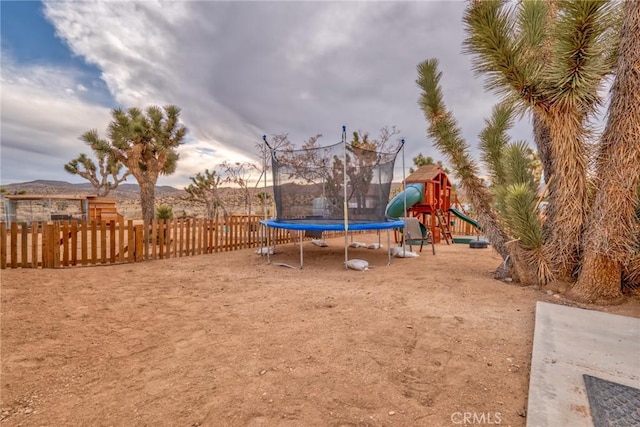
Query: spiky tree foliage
x=446, y=134
x=204, y=189
x=514, y=185
x=108, y=168
x=520, y=213
x=164, y=212
x=146, y=143
x=552, y=62
x=612, y=221
x=494, y=140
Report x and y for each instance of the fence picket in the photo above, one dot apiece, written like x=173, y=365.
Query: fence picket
x=74, y=242
x=84, y=244
x=94, y=243
x=14, y=245
x=121, y=240
x=200, y=235
x=154, y=239
x=24, y=249
x=64, y=242
x=131, y=242
x=139, y=239
x=160, y=241
x=35, y=233
x=55, y=245
x=112, y=242
x=3, y=247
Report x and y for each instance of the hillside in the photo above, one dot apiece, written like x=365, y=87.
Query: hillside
x=127, y=197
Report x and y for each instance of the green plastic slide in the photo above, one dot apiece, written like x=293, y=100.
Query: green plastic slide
x=465, y=218
x=414, y=194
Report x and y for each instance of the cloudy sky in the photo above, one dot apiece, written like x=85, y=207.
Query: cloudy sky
x=237, y=69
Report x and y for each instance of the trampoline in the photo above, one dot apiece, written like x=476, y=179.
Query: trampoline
x=339, y=187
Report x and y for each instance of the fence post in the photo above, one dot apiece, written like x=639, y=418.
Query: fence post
x=103, y=241
x=45, y=245
x=154, y=239
x=24, y=250
x=112, y=241
x=14, y=245
x=121, y=241
x=94, y=243
x=34, y=244
x=187, y=238
x=160, y=239
x=3, y=245
x=64, y=242
x=55, y=246
x=74, y=242
x=131, y=242
x=200, y=235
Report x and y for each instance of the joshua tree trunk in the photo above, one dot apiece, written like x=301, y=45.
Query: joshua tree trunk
x=569, y=189
x=607, y=242
x=542, y=138
x=147, y=199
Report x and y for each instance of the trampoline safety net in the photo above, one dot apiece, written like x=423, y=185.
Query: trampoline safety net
x=309, y=184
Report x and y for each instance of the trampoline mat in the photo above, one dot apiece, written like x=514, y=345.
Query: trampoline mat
x=612, y=404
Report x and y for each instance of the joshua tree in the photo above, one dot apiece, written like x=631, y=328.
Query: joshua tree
x=108, y=167
x=146, y=143
x=550, y=59
x=517, y=231
x=611, y=225
x=204, y=189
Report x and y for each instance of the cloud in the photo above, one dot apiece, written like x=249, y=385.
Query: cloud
x=240, y=70
x=42, y=118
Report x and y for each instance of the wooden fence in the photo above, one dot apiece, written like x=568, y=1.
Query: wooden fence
x=71, y=243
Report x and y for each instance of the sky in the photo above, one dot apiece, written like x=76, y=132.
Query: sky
x=238, y=70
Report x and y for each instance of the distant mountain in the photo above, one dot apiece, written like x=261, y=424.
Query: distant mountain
x=43, y=186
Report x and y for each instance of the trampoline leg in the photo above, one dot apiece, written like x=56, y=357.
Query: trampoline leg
x=301, y=251
x=267, y=230
x=388, y=246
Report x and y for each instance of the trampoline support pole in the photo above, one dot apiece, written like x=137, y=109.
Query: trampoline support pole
x=388, y=246
x=301, y=250
x=346, y=202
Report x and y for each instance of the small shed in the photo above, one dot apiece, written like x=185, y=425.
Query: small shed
x=58, y=207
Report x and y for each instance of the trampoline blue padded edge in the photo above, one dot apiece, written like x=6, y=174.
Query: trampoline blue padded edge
x=333, y=227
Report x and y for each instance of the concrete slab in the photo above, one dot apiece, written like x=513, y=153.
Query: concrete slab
x=569, y=342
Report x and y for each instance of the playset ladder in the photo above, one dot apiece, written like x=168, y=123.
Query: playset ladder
x=444, y=226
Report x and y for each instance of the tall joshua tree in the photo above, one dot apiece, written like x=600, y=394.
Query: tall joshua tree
x=612, y=221
x=146, y=143
x=551, y=59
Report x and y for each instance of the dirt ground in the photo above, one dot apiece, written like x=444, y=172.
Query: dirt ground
x=225, y=339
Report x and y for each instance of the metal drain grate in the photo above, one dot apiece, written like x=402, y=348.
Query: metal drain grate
x=612, y=404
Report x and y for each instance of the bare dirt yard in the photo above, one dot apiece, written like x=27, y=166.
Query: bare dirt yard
x=227, y=340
